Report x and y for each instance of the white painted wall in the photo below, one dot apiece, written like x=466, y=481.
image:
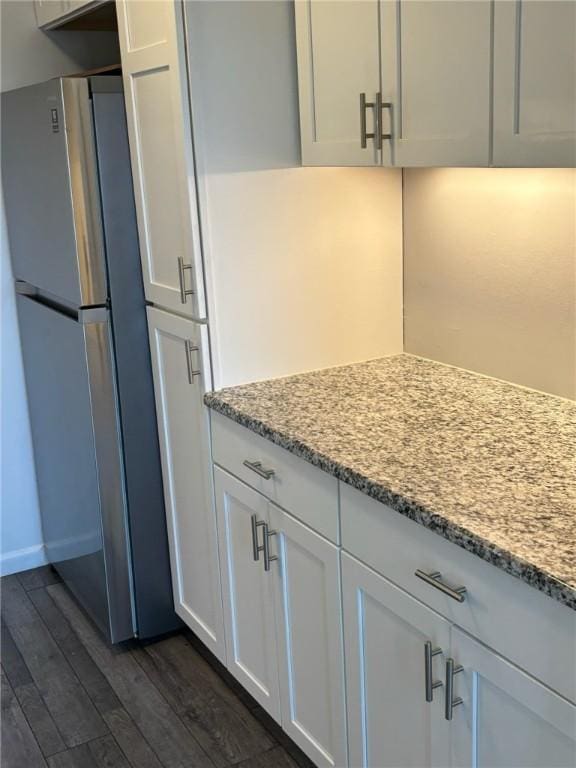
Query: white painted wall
x=303, y=265
x=490, y=272
x=27, y=56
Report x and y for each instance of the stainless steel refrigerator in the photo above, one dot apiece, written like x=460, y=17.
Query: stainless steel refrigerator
x=74, y=247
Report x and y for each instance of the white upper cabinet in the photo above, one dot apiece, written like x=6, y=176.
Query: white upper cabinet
x=535, y=83
x=507, y=718
x=338, y=60
x=159, y=129
x=179, y=369
x=51, y=13
x=436, y=77
x=423, y=66
x=448, y=82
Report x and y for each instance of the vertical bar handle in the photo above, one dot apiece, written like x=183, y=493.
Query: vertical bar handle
x=190, y=347
x=429, y=684
x=182, y=268
x=378, y=121
x=363, y=135
x=256, y=548
x=384, y=105
x=268, y=558
x=450, y=701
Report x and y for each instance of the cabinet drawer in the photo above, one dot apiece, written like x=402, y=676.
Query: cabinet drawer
x=303, y=490
x=529, y=628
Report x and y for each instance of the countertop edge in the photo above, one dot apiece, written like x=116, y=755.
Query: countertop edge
x=501, y=558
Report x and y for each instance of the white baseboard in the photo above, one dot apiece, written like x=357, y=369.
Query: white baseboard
x=22, y=559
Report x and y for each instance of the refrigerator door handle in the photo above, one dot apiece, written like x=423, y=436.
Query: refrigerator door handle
x=89, y=315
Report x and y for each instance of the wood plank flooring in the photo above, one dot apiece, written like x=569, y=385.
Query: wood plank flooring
x=70, y=700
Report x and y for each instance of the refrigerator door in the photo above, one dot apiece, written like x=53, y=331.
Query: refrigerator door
x=51, y=190
x=75, y=432
x=154, y=604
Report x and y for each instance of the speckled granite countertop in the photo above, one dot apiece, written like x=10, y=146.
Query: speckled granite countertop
x=488, y=465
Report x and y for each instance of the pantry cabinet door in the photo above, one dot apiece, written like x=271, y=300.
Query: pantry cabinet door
x=436, y=59
x=390, y=721
x=247, y=591
x=184, y=432
x=338, y=59
x=507, y=719
x=310, y=645
x=159, y=128
x=535, y=83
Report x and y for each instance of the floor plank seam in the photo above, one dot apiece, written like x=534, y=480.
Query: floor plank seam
x=182, y=722
x=79, y=680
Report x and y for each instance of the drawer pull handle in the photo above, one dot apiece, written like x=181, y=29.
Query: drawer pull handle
x=456, y=593
x=451, y=702
x=256, y=466
x=268, y=558
x=256, y=548
x=430, y=685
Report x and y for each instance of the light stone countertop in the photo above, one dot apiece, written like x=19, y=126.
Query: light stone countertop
x=488, y=465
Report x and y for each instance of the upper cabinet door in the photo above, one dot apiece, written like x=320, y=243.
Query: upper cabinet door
x=307, y=578
x=535, y=83
x=48, y=11
x=394, y=690
x=157, y=106
x=180, y=380
x=436, y=77
x=507, y=718
x=338, y=59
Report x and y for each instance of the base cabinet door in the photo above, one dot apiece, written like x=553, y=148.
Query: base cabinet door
x=395, y=693
x=535, y=83
x=310, y=646
x=507, y=718
x=247, y=590
x=183, y=427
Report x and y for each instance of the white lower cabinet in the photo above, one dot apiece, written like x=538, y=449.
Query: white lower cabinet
x=310, y=644
x=283, y=619
x=247, y=591
x=361, y=662
x=501, y=717
x=179, y=383
x=507, y=718
x=393, y=719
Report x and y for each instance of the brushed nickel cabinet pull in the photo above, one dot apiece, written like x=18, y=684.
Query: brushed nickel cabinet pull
x=190, y=347
x=380, y=105
x=433, y=579
x=182, y=268
x=450, y=701
x=256, y=548
x=363, y=135
x=429, y=684
x=268, y=558
x=256, y=466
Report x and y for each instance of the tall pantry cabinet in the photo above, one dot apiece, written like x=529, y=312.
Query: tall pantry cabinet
x=152, y=45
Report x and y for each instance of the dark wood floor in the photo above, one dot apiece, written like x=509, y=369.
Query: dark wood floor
x=69, y=700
